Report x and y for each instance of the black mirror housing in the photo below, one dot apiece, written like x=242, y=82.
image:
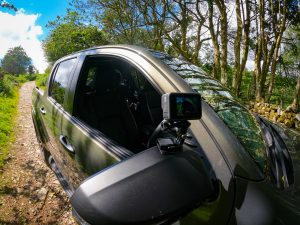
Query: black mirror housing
x=145, y=189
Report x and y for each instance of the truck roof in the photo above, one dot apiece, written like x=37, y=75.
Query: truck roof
x=123, y=46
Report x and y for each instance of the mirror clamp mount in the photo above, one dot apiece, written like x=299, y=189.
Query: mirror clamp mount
x=170, y=145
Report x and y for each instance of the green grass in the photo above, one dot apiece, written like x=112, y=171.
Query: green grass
x=8, y=108
x=41, y=80
x=8, y=112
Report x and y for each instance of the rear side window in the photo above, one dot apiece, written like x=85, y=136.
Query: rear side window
x=61, y=79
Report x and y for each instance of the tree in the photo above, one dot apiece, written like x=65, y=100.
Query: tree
x=184, y=28
x=273, y=17
x=180, y=28
x=164, y=25
x=290, y=57
x=121, y=20
x=291, y=60
x=16, y=61
x=214, y=33
x=5, y=4
x=282, y=14
x=1, y=73
x=243, y=30
x=32, y=70
x=295, y=104
x=154, y=15
x=69, y=35
x=224, y=39
x=218, y=28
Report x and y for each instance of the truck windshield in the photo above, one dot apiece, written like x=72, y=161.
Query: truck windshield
x=240, y=121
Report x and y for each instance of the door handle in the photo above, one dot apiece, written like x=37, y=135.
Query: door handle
x=43, y=111
x=64, y=141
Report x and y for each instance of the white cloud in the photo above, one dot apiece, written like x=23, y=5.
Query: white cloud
x=21, y=29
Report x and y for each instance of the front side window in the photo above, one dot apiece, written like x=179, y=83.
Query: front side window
x=239, y=120
x=115, y=98
x=61, y=79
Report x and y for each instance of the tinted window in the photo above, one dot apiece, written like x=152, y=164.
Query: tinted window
x=116, y=99
x=234, y=115
x=61, y=79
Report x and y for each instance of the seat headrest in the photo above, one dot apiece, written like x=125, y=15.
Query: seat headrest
x=107, y=79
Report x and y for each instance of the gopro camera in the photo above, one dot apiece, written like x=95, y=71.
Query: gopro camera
x=181, y=106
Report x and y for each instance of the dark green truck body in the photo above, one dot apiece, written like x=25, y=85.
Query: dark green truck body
x=79, y=151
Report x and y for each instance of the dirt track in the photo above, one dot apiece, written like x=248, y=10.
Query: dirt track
x=29, y=191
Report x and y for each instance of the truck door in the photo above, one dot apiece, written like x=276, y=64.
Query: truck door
x=89, y=151
x=52, y=108
x=112, y=115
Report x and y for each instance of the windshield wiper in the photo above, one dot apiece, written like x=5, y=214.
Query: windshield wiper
x=281, y=166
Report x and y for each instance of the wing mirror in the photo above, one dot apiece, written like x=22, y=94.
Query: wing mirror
x=149, y=188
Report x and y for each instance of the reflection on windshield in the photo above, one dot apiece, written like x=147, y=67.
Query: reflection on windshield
x=234, y=115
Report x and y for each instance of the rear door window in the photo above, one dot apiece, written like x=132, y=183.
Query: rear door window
x=61, y=80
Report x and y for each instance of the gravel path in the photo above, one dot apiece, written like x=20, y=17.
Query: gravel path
x=29, y=191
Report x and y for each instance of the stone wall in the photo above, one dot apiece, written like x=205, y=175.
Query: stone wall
x=276, y=114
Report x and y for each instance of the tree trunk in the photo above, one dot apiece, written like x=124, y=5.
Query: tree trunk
x=159, y=24
x=295, y=104
x=237, y=47
x=154, y=22
x=216, y=70
x=273, y=68
x=224, y=40
x=180, y=17
x=269, y=46
x=261, y=52
x=246, y=42
x=198, y=41
x=183, y=28
x=257, y=71
x=278, y=36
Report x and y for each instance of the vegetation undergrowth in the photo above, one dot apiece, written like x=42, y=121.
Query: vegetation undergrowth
x=9, y=95
x=283, y=92
x=41, y=80
x=8, y=112
x=25, y=77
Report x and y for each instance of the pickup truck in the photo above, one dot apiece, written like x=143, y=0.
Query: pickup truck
x=131, y=143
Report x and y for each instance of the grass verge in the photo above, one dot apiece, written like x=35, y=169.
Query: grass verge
x=41, y=80
x=8, y=112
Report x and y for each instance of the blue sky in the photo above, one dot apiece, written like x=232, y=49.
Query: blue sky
x=46, y=9
x=27, y=27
